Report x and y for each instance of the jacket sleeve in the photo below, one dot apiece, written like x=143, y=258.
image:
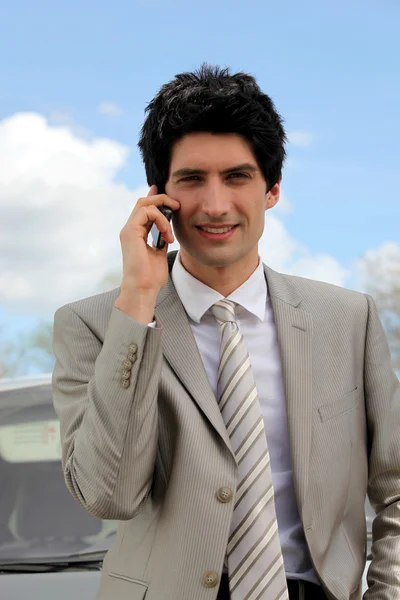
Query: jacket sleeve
x=109, y=433
x=382, y=392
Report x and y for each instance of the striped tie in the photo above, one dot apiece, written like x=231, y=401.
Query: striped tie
x=255, y=562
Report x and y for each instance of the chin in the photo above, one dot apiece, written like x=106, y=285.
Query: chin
x=217, y=259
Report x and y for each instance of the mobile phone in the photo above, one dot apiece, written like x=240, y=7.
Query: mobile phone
x=158, y=239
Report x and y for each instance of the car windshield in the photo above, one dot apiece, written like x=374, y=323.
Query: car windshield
x=39, y=519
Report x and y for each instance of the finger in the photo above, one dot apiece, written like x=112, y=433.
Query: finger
x=158, y=200
x=149, y=215
x=152, y=191
x=164, y=227
x=164, y=249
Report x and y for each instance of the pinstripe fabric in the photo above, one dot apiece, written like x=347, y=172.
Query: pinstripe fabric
x=155, y=454
x=255, y=561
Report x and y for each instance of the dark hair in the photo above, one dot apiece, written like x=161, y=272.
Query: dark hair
x=211, y=100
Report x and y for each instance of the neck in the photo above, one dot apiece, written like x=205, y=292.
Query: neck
x=225, y=279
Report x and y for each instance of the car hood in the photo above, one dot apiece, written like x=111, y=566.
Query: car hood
x=62, y=585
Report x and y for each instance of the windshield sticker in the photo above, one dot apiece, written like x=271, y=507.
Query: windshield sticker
x=37, y=441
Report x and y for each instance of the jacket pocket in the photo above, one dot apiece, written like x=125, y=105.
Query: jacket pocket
x=123, y=587
x=338, y=407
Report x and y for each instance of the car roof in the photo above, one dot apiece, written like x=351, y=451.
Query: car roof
x=24, y=393
x=25, y=381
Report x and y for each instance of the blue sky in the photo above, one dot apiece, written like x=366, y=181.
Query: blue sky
x=332, y=69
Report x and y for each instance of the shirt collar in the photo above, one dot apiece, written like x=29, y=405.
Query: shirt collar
x=197, y=297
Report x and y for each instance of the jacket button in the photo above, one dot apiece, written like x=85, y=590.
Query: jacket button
x=133, y=348
x=132, y=357
x=126, y=375
x=210, y=579
x=125, y=383
x=224, y=494
x=127, y=365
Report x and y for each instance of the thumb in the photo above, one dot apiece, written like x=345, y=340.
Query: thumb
x=152, y=191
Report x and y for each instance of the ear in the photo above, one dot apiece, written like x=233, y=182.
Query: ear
x=272, y=197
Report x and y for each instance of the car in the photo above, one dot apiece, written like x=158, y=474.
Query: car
x=50, y=547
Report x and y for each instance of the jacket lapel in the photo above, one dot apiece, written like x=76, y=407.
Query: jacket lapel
x=181, y=351
x=294, y=332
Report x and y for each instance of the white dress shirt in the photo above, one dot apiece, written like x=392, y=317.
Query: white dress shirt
x=256, y=323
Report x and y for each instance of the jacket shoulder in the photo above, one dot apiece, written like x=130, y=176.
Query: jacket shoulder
x=316, y=293
x=92, y=309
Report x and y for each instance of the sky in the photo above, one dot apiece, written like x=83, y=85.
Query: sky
x=74, y=83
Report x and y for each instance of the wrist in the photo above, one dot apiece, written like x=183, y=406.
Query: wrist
x=144, y=295
x=139, y=305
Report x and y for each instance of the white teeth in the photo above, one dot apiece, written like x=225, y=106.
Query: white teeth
x=222, y=230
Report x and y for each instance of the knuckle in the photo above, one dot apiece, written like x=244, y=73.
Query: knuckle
x=123, y=235
x=143, y=212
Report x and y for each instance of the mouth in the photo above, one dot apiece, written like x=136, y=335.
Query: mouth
x=217, y=233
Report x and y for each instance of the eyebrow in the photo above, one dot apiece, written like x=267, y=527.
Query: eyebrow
x=187, y=171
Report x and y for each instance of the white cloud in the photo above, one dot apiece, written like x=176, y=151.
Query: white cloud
x=111, y=109
x=379, y=268
x=281, y=252
x=321, y=267
x=32, y=152
x=300, y=138
x=61, y=213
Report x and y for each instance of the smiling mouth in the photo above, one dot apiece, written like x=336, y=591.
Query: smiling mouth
x=217, y=229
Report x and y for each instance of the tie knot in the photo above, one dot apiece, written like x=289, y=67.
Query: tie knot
x=224, y=311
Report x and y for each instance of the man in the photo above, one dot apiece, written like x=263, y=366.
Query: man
x=230, y=417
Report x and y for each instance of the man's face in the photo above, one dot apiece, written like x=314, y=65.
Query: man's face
x=221, y=186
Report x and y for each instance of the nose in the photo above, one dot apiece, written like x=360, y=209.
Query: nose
x=215, y=201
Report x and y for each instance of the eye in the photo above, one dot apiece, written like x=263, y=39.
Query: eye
x=235, y=175
x=190, y=178
x=239, y=175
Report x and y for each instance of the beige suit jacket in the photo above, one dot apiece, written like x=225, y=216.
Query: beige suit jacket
x=154, y=454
